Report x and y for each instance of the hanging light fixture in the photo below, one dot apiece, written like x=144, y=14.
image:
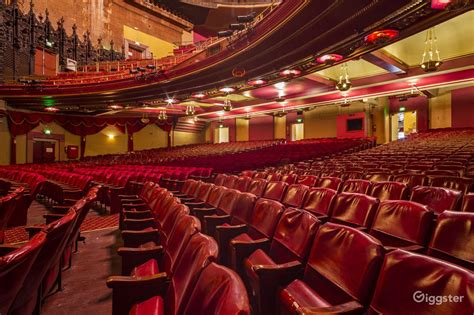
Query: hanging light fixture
x=162, y=116
x=431, y=60
x=344, y=84
x=145, y=120
x=190, y=110
x=227, y=105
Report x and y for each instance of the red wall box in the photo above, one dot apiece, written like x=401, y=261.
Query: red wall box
x=72, y=151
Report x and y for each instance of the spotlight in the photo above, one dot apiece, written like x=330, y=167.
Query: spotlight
x=133, y=71
x=226, y=33
x=227, y=90
x=246, y=18
x=152, y=67
x=237, y=26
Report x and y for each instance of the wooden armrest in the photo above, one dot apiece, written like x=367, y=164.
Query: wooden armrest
x=137, y=238
x=212, y=221
x=348, y=307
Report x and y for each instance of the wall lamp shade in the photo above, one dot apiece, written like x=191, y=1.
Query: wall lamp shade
x=226, y=33
x=237, y=26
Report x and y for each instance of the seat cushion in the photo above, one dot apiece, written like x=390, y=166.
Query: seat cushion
x=258, y=257
x=152, y=306
x=148, y=268
x=298, y=294
x=149, y=244
x=244, y=237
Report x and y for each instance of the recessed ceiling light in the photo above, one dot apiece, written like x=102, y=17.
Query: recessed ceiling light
x=198, y=95
x=256, y=82
x=290, y=73
x=51, y=109
x=329, y=58
x=280, y=85
x=227, y=89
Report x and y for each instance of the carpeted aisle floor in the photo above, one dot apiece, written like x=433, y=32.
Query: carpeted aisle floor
x=84, y=290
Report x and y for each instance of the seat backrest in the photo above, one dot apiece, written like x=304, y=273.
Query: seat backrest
x=202, y=193
x=320, y=201
x=219, y=180
x=174, y=211
x=438, y=199
x=242, y=183
x=389, y=191
x=290, y=178
x=228, y=200
x=200, y=251
x=189, y=186
x=357, y=210
x=419, y=284
x=230, y=180
x=452, y=182
x=453, y=238
x=273, y=177
x=257, y=186
x=359, y=186
x=295, y=195
x=215, y=196
x=468, y=203
x=243, y=208
x=401, y=223
x=343, y=264
x=411, y=180
x=57, y=234
x=219, y=290
x=379, y=177
x=293, y=236
x=7, y=207
x=264, y=218
x=14, y=268
x=308, y=180
x=329, y=182
x=182, y=232
x=275, y=190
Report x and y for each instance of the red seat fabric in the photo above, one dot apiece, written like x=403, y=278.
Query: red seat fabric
x=389, y=191
x=416, y=280
x=242, y=183
x=15, y=267
x=468, y=203
x=150, y=267
x=436, y=198
x=400, y=223
x=319, y=201
x=465, y=185
x=357, y=210
x=411, y=180
x=257, y=186
x=295, y=195
x=359, y=186
x=275, y=190
x=308, y=180
x=219, y=290
x=219, y=180
x=153, y=306
x=453, y=238
x=334, y=183
x=342, y=267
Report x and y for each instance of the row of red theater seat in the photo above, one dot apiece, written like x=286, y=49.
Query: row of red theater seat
x=9, y=206
x=167, y=264
x=268, y=245
x=31, y=181
x=437, y=198
x=30, y=271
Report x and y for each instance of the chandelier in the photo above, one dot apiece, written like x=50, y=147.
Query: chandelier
x=431, y=60
x=344, y=84
x=227, y=105
x=190, y=110
x=162, y=116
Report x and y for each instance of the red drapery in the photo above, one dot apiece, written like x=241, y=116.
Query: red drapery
x=20, y=123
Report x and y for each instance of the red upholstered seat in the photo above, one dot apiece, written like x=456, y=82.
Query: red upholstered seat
x=468, y=203
x=453, y=238
x=319, y=201
x=257, y=186
x=230, y=181
x=242, y=183
x=341, y=272
x=219, y=290
x=295, y=195
x=308, y=180
x=290, y=178
x=275, y=190
x=266, y=270
x=411, y=180
x=400, y=223
x=219, y=180
x=356, y=186
x=334, y=183
x=436, y=198
x=148, y=268
x=153, y=306
x=356, y=210
x=389, y=191
x=261, y=225
x=227, y=203
x=416, y=280
x=15, y=267
x=465, y=185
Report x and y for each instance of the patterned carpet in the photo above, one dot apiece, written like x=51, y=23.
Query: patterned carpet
x=92, y=222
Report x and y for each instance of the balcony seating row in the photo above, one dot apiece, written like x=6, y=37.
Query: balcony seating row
x=28, y=272
x=9, y=205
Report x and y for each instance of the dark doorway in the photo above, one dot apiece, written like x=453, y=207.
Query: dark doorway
x=43, y=151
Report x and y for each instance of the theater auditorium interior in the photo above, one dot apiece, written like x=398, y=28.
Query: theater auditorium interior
x=236, y=157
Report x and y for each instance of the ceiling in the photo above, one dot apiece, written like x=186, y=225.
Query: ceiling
x=384, y=71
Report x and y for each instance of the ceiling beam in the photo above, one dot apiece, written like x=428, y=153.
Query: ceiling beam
x=319, y=79
x=384, y=60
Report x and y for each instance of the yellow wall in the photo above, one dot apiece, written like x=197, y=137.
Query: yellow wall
x=207, y=133
x=158, y=47
x=150, y=137
x=4, y=142
x=182, y=138
x=100, y=143
x=242, y=129
x=320, y=122
x=409, y=122
x=380, y=121
x=21, y=149
x=279, y=129
x=440, y=111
